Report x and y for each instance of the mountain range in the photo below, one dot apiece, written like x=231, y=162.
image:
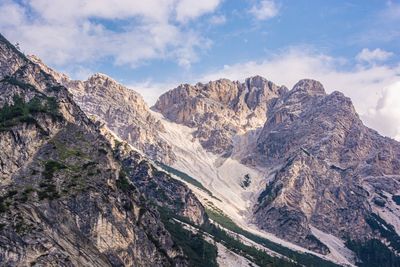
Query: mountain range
x=225, y=173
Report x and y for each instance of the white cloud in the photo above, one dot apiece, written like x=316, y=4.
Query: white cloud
x=385, y=116
x=150, y=90
x=217, y=20
x=264, y=10
x=364, y=85
x=189, y=9
x=372, y=56
x=130, y=32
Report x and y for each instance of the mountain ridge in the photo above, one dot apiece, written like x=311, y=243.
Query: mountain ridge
x=64, y=197
x=309, y=163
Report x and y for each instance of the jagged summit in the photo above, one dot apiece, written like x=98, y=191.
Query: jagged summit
x=332, y=169
x=257, y=81
x=105, y=79
x=103, y=82
x=309, y=86
x=220, y=109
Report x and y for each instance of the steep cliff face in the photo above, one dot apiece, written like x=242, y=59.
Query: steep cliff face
x=64, y=197
x=333, y=169
x=159, y=187
x=328, y=177
x=123, y=110
x=219, y=110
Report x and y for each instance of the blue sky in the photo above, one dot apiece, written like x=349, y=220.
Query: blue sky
x=151, y=46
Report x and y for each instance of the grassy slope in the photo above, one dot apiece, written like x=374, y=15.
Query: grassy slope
x=219, y=217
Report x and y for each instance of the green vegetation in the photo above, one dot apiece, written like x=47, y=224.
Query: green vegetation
x=48, y=188
x=269, y=194
x=396, y=199
x=185, y=177
x=373, y=253
x=50, y=167
x=386, y=230
x=66, y=152
x=302, y=258
x=20, y=226
x=21, y=111
x=6, y=200
x=200, y=253
x=26, y=193
x=123, y=183
x=255, y=255
x=13, y=197
x=246, y=181
x=218, y=216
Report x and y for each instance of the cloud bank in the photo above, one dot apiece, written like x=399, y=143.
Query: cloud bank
x=78, y=31
x=372, y=56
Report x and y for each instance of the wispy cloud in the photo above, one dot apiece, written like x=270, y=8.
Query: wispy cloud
x=217, y=19
x=129, y=32
x=189, y=9
x=265, y=9
x=372, y=56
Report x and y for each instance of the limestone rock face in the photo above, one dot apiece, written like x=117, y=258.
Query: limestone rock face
x=332, y=168
x=220, y=109
x=323, y=168
x=123, y=110
x=159, y=186
x=65, y=198
x=330, y=172
x=10, y=58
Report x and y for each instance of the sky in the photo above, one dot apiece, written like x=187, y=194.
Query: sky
x=152, y=46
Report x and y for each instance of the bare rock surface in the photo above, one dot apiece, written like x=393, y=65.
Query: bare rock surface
x=65, y=197
x=328, y=159
x=330, y=171
x=220, y=109
x=123, y=110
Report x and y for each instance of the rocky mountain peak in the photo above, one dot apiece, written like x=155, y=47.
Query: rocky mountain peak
x=220, y=109
x=103, y=79
x=258, y=82
x=11, y=58
x=124, y=111
x=104, y=83
x=59, y=77
x=311, y=87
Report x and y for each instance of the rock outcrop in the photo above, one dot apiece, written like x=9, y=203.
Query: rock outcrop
x=65, y=198
x=332, y=167
x=123, y=110
x=219, y=110
x=330, y=172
